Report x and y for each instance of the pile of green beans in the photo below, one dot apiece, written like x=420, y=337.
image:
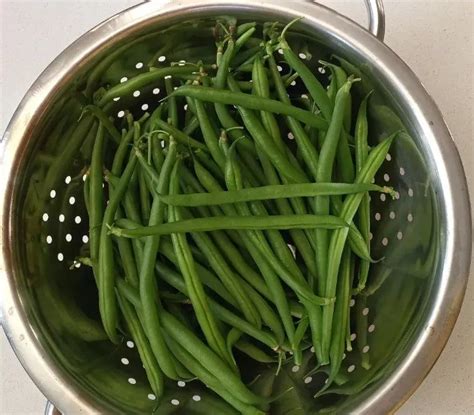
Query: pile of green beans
x=216, y=239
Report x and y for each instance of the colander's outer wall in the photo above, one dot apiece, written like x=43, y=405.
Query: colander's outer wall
x=434, y=138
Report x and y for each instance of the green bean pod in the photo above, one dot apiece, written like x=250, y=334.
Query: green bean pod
x=308, y=151
x=212, y=381
x=249, y=101
x=96, y=199
x=338, y=239
x=361, y=153
x=210, y=360
x=107, y=298
x=278, y=295
x=279, y=159
x=270, y=192
x=104, y=120
x=147, y=274
x=324, y=173
x=142, y=80
x=254, y=352
x=152, y=369
x=193, y=284
x=263, y=222
x=316, y=90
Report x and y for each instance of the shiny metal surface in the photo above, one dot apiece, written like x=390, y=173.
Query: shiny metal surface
x=376, y=18
x=433, y=170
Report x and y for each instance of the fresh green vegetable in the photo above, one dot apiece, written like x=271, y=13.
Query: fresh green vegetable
x=228, y=226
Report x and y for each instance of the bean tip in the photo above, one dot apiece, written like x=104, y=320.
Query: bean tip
x=391, y=191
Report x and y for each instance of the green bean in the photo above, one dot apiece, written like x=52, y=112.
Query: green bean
x=262, y=89
x=225, y=315
x=242, y=28
x=232, y=337
x=235, y=257
x=249, y=101
x=374, y=160
x=104, y=120
x=289, y=79
x=341, y=316
x=157, y=154
x=224, y=116
x=127, y=259
x=243, y=38
x=316, y=90
x=361, y=153
x=157, y=114
x=300, y=333
x=308, y=151
x=254, y=352
x=340, y=77
x=269, y=318
x=142, y=80
x=315, y=318
x=107, y=299
x=121, y=153
x=128, y=202
x=213, y=382
x=233, y=320
x=63, y=162
x=245, y=57
x=209, y=359
x=345, y=164
x=324, y=172
x=191, y=126
x=210, y=137
x=96, y=199
x=279, y=159
x=279, y=222
x=172, y=104
x=221, y=268
x=147, y=275
x=298, y=236
x=332, y=90
x=145, y=204
x=152, y=369
x=271, y=278
x=207, y=277
x=270, y=192
x=193, y=284
x=179, y=136
x=298, y=284
x=87, y=193
x=356, y=240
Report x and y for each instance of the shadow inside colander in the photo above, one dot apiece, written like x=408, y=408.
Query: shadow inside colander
x=62, y=292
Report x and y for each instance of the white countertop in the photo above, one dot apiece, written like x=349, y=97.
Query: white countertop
x=435, y=38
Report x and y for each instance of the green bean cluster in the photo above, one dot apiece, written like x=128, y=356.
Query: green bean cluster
x=234, y=223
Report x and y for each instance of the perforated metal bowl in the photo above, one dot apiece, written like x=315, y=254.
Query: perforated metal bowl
x=424, y=235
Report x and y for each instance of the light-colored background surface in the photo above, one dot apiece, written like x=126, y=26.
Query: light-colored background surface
x=435, y=38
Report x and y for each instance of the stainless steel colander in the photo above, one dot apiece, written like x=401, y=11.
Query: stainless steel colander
x=424, y=234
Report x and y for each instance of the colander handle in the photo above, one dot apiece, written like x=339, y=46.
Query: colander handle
x=51, y=410
x=376, y=14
